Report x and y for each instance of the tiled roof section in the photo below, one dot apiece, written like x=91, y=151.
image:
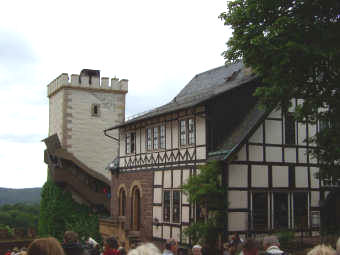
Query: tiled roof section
x=202, y=87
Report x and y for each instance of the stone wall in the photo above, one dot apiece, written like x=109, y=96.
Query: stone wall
x=144, y=181
x=71, y=102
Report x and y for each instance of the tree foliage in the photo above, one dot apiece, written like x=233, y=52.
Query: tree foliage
x=19, y=215
x=294, y=47
x=207, y=191
x=59, y=212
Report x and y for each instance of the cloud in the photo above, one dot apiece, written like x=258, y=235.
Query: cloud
x=20, y=138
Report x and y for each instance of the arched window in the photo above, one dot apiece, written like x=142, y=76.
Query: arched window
x=136, y=209
x=122, y=202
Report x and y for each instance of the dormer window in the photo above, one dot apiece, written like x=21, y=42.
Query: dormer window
x=95, y=110
x=130, y=142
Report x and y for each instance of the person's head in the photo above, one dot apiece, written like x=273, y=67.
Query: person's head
x=322, y=250
x=270, y=241
x=250, y=247
x=171, y=245
x=111, y=243
x=338, y=246
x=45, y=246
x=145, y=249
x=71, y=237
x=197, y=249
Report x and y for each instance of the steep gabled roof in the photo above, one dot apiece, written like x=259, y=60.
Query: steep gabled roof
x=201, y=88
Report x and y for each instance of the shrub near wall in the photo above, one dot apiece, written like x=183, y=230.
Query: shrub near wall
x=59, y=212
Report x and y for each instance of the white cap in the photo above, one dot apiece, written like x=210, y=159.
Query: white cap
x=197, y=246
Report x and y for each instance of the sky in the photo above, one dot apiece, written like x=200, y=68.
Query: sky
x=158, y=45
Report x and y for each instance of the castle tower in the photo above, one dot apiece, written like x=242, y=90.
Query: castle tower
x=80, y=108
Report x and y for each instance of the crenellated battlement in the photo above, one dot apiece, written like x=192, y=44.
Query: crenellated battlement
x=87, y=82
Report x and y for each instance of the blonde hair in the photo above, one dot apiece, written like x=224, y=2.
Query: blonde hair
x=145, y=249
x=322, y=250
x=45, y=246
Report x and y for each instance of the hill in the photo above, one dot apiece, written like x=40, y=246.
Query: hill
x=13, y=196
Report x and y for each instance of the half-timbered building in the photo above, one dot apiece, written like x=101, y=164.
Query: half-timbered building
x=269, y=173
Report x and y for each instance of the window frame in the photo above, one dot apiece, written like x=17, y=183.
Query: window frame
x=130, y=139
x=93, y=112
x=152, y=142
x=171, y=207
x=122, y=202
x=186, y=135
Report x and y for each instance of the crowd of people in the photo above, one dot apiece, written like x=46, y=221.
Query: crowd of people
x=271, y=246
x=237, y=246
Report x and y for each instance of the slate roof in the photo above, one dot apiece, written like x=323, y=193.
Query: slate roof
x=201, y=88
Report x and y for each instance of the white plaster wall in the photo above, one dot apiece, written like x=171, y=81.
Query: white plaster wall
x=185, y=213
x=237, y=199
x=257, y=137
x=238, y=175
x=176, y=175
x=301, y=177
x=237, y=221
x=290, y=155
x=259, y=176
x=255, y=153
x=157, y=178
x=242, y=154
x=314, y=181
x=302, y=135
x=157, y=195
x=315, y=198
x=157, y=231
x=201, y=153
x=200, y=131
x=176, y=233
x=166, y=232
x=167, y=179
x=56, y=115
x=186, y=175
x=275, y=114
x=280, y=176
x=273, y=154
x=185, y=198
x=157, y=212
x=273, y=131
x=89, y=144
x=302, y=155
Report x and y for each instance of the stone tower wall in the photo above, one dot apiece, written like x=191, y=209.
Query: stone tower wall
x=72, y=118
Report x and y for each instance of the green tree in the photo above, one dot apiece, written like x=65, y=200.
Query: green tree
x=207, y=191
x=293, y=46
x=59, y=212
